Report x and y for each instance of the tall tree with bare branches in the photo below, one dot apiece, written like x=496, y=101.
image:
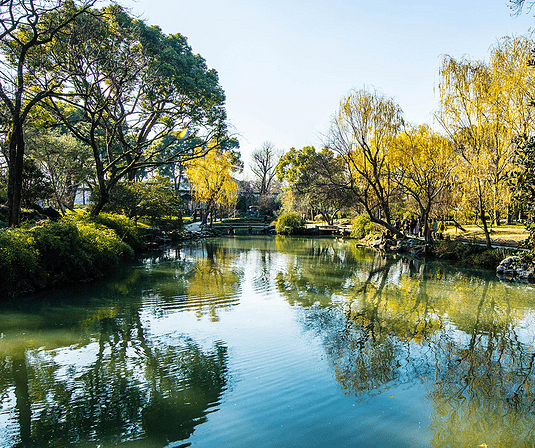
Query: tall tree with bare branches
x=264, y=161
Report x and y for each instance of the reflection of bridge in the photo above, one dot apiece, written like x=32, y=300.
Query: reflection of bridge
x=245, y=228
x=328, y=230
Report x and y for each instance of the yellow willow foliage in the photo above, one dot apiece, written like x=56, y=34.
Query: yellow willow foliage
x=422, y=161
x=210, y=179
x=513, y=84
x=360, y=134
x=484, y=107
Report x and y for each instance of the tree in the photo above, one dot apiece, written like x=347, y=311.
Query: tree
x=361, y=134
x=518, y=5
x=484, y=108
x=154, y=198
x=211, y=182
x=312, y=178
x=523, y=183
x=423, y=162
x=65, y=160
x=264, y=161
x=26, y=27
x=143, y=99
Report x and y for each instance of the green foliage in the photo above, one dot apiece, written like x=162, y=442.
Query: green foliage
x=158, y=83
x=125, y=228
x=3, y=188
x=59, y=249
x=35, y=185
x=154, y=199
x=72, y=249
x=361, y=226
x=289, y=224
x=19, y=262
x=103, y=247
x=523, y=184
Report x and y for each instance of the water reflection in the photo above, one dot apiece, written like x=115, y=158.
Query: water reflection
x=93, y=373
x=144, y=359
x=404, y=321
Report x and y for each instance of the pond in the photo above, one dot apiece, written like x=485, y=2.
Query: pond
x=272, y=342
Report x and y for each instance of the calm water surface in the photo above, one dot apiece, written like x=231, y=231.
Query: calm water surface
x=272, y=342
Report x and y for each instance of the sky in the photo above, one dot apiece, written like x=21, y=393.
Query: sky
x=286, y=64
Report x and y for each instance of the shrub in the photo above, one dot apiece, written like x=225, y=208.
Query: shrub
x=289, y=224
x=18, y=262
x=361, y=226
x=102, y=247
x=59, y=249
x=48, y=253
x=125, y=228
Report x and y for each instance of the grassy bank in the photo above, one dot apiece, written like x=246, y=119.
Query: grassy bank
x=76, y=248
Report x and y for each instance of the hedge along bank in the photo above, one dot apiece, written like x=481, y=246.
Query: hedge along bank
x=75, y=248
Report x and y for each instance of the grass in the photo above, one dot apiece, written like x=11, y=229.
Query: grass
x=504, y=235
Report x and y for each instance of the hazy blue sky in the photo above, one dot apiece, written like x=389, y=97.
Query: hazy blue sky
x=285, y=64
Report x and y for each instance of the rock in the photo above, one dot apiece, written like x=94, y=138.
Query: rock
x=514, y=268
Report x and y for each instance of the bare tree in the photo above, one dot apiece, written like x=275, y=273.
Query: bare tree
x=263, y=166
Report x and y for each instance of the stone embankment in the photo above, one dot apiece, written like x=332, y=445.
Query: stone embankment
x=515, y=268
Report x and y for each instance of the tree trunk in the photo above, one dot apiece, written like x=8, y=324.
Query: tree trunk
x=103, y=197
x=483, y=219
x=14, y=188
x=386, y=225
x=425, y=218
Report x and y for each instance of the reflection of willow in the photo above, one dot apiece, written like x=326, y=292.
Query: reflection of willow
x=212, y=284
x=314, y=274
x=136, y=389
x=367, y=357
x=484, y=386
x=373, y=343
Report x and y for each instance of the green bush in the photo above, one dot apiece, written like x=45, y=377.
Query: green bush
x=102, y=247
x=48, y=253
x=289, y=224
x=59, y=249
x=18, y=262
x=125, y=228
x=361, y=226
x=78, y=249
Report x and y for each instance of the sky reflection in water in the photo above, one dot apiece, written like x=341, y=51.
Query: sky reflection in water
x=272, y=342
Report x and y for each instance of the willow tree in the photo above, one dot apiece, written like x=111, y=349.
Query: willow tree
x=484, y=108
x=361, y=133
x=211, y=182
x=423, y=162
x=140, y=98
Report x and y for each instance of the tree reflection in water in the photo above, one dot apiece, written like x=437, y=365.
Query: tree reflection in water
x=400, y=322
x=134, y=388
x=97, y=377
